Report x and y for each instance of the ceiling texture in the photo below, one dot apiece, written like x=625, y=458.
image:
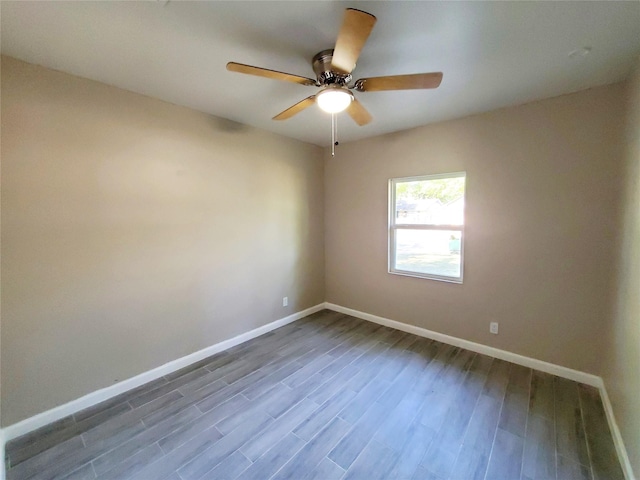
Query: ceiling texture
x=493, y=54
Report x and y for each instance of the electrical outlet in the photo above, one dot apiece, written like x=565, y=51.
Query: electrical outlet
x=285, y=301
x=493, y=328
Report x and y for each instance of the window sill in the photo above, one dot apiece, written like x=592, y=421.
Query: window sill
x=426, y=276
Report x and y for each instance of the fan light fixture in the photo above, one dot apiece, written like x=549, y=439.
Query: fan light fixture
x=333, y=70
x=334, y=99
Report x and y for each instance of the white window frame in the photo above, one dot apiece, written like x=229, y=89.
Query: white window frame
x=394, y=227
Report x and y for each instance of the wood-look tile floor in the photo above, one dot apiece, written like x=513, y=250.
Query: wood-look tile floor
x=333, y=397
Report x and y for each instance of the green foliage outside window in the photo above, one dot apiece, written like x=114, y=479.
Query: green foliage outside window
x=445, y=190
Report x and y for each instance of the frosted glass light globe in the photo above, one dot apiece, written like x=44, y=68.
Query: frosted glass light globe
x=334, y=99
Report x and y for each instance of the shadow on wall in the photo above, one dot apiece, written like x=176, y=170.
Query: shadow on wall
x=226, y=126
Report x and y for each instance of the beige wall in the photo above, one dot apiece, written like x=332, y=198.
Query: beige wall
x=542, y=190
x=622, y=349
x=136, y=232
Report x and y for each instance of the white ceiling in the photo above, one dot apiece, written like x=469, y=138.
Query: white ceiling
x=493, y=54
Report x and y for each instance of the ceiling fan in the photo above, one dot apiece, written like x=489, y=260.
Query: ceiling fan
x=333, y=70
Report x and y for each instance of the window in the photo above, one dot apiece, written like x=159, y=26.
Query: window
x=426, y=226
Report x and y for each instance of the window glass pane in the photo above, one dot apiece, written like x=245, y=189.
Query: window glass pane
x=432, y=252
x=438, y=201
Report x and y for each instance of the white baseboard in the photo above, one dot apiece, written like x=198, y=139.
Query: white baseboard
x=565, y=372
x=93, y=398
x=57, y=413
x=623, y=456
x=536, y=364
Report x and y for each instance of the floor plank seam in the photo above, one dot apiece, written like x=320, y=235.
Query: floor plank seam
x=584, y=426
x=464, y=435
x=526, y=426
x=493, y=443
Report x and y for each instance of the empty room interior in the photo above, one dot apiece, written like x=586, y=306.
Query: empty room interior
x=320, y=240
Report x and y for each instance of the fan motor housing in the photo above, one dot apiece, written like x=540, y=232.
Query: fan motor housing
x=322, y=67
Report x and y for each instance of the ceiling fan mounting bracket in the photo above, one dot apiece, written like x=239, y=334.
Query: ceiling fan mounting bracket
x=326, y=76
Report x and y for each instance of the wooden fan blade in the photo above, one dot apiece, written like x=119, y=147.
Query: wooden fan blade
x=355, y=30
x=297, y=108
x=265, y=72
x=358, y=113
x=400, y=82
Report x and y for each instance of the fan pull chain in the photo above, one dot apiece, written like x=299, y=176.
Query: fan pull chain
x=334, y=134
